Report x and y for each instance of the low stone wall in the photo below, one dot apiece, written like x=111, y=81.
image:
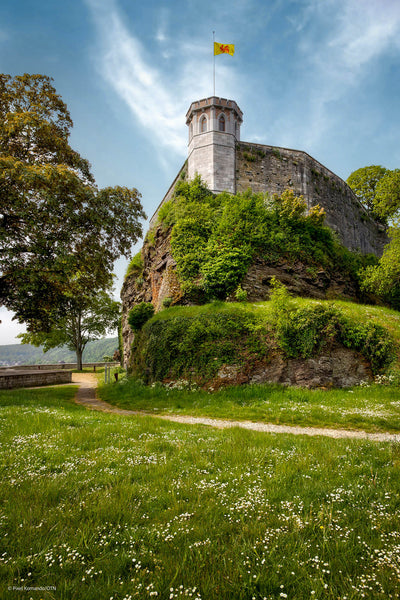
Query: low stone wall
x=57, y=366
x=16, y=379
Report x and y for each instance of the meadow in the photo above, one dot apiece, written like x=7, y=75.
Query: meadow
x=102, y=506
x=372, y=408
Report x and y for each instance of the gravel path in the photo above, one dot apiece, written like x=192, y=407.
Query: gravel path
x=86, y=395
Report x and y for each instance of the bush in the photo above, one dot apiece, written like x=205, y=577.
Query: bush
x=167, y=302
x=302, y=332
x=240, y=294
x=195, y=345
x=214, y=239
x=135, y=266
x=139, y=314
x=194, y=342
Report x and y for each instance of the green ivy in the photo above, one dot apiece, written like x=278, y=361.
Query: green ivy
x=193, y=344
x=139, y=314
x=214, y=239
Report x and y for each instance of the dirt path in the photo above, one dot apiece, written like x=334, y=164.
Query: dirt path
x=86, y=395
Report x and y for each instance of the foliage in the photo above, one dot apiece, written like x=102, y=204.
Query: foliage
x=116, y=506
x=54, y=222
x=87, y=317
x=136, y=265
x=167, y=302
x=384, y=279
x=194, y=342
x=201, y=343
x=240, y=294
x=387, y=199
x=214, y=239
x=364, y=182
x=380, y=189
x=139, y=314
x=304, y=331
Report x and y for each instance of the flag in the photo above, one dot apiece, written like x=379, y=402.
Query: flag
x=224, y=48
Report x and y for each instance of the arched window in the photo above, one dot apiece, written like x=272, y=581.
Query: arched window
x=203, y=124
x=222, y=123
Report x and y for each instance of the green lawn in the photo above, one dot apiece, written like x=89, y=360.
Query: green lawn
x=374, y=408
x=101, y=507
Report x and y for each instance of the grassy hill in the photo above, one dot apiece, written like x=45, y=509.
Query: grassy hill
x=194, y=343
x=24, y=354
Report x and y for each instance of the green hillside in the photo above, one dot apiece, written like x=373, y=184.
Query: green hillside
x=193, y=343
x=24, y=354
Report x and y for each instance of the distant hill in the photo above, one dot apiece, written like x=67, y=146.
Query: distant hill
x=24, y=354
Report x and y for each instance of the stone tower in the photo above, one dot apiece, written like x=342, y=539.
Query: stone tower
x=214, y=129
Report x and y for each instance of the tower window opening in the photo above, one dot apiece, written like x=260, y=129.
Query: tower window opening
x=222, y=123
x=203, y=124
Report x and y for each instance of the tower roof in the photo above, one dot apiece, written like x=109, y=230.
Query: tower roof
x=221, y=103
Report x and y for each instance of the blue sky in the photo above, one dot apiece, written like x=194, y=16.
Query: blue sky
x=316, y=75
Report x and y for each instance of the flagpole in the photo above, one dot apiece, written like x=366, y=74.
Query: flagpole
x=214, y=61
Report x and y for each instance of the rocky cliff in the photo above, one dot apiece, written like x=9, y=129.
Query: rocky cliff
x=157, y=281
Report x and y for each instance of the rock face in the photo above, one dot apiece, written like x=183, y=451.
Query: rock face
x=300, y=280
x=154, y=284
x=158, y=281
x=340, y=367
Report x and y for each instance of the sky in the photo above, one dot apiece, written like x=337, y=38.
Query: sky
x=321, y=76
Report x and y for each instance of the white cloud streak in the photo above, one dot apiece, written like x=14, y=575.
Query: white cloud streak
x=157, y=98
x=358, y=33
x=123, y=65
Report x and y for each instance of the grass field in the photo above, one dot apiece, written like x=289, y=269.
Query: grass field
x=374, y=408
x=103, y=507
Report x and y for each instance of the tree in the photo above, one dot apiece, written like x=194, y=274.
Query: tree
x=55, y=223
x=384, y=279
x=387, y=197
x=379, y=189
x=87, y=317
x=364, y=181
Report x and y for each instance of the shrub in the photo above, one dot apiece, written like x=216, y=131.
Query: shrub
x=194, y=342
x=139, y=314
x=302, y=332
x=195, y=345
x=240, y=294
x=214, y=239
x=167, y=302
x=135, y=266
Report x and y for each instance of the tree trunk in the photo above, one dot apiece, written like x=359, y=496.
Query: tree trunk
x=79, y=359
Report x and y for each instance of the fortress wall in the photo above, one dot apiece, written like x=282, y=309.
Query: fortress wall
x=169, y=194
x=271, y=169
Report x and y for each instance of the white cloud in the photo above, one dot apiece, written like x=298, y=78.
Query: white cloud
x=157, y=96
x=9, y=329
x=339, y=52
x=123, y=65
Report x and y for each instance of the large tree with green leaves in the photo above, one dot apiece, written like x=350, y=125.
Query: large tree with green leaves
x=87, y=317
x=55, y=224
x=379, y=189
x=363, y=182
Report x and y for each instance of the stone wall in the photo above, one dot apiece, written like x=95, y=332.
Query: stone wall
x=271, y=169
x=17, y=379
